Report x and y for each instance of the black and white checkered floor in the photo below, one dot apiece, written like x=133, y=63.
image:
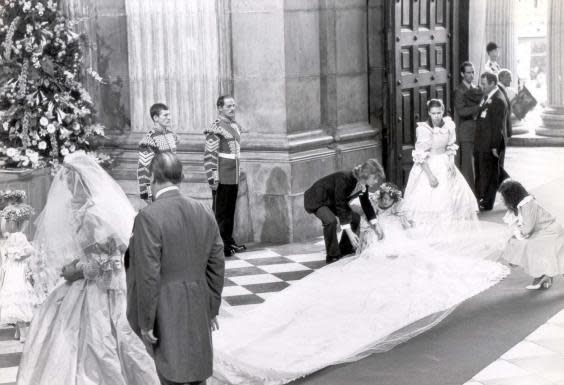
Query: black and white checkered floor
x=253, y=276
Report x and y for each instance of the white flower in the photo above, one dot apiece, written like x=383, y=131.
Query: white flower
x=51, y=128
x=11, y=152
x=76, y=126
x=42, y=145
x=34, y=157
x=29, y=28
x=72, y=148
x=27, y=6
x=64, y=151
x=43, y=121
x=64, y=132
x=25, y=161
x=6, y=126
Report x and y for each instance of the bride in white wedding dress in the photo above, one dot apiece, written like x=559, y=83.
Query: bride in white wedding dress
x=391, y=291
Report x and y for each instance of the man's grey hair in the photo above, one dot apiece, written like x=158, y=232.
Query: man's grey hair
x=166, y=167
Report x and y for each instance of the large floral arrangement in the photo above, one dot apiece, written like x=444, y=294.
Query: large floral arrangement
x=45, y=111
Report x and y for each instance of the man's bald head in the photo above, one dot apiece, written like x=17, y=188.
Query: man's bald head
x=166, y=168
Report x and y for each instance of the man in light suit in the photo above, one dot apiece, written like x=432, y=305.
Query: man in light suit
x=490, y=141
x=175, y=271
x=467, y=98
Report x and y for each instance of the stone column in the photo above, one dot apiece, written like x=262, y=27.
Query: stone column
x=300, y=77
x=553, y=114
x=477, y=35
x=224, y=37
x=174, y=59
x=501, y=29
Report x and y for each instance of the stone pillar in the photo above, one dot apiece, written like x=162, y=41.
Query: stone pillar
x=501, y=29
x=300, y=79
x=553, y=114
x=224, y=38
x=174, y=59
x=477, y=10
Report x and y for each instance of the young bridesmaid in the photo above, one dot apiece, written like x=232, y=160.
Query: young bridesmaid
x=387, y=203
x=17, y=295
x=537, y=243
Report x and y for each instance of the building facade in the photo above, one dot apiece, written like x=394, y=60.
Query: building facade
x=322, y=85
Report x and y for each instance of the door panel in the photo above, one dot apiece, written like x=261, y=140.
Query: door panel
x=420, y=38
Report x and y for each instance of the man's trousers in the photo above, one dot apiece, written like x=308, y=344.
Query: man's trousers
x=334, y=248
x=489, y=175
x=224, y=202
x=465, y=163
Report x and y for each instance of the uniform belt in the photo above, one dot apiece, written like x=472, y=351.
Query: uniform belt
x=227, y=156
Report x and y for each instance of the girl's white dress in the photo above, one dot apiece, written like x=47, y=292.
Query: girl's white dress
x=452, y=201
x=395, y=289
x=538, y=244
x=17, y=296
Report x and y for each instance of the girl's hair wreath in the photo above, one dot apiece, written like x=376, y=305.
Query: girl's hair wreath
x=17, y=213
x=391, y=189
x=15, y=195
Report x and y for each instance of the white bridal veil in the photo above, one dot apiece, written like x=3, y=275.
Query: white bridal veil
x=85, y=206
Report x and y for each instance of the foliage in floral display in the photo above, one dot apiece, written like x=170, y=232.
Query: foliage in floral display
x=45, y=111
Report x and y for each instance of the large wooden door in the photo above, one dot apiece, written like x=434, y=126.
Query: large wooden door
x=420, y=61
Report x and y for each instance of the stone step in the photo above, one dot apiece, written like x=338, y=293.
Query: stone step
x=534, y=140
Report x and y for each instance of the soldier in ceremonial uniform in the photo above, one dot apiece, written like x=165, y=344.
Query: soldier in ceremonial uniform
x=221, y=162
x=159, y=139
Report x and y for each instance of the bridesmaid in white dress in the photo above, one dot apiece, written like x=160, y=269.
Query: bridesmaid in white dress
x=437, y=193
x=537, y=241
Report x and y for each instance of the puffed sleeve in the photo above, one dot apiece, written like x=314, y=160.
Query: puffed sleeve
x=423, y=144
x=528, y=214
x=452, y=147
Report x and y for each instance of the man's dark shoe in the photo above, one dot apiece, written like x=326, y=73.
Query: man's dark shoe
x=329, y=259
x=238, y=248
x=229, y=252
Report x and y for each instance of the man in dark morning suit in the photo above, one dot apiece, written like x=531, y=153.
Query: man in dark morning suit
x=504, y=81
x=490, y=141
x=175, y=272
x=329, y=197
x=467, y=98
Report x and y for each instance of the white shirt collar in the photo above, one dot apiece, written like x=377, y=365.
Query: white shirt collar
x=492, y=92
x=162, y=191
x=524, y=201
